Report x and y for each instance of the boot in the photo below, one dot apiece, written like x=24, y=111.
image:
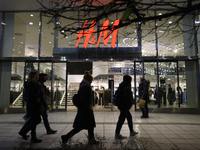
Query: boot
x=64, y=138
x=92, y=140
x=34, y=139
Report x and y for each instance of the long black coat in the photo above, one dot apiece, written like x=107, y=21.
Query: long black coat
x=85, y=116
x=33, y=98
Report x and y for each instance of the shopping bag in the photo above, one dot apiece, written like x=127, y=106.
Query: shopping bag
x=141, y=103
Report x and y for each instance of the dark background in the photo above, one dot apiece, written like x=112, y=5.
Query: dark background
x=79, y=67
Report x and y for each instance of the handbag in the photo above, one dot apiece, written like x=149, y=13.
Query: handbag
x=141, y=103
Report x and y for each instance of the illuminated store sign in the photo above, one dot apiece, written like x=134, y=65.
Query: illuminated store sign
x=104, y=29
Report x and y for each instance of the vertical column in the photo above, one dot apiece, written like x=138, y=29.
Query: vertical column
x=5, y=79
x=1, y=31
x=190, y=66
x=7, y=45
x=5, y=67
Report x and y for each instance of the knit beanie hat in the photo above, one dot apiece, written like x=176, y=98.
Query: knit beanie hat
x=88, y=76
x=127, y=78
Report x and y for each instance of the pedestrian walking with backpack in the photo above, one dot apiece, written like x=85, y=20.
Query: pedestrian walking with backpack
x=124, y=98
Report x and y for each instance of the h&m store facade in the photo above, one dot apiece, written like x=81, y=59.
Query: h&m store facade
x=28, y=42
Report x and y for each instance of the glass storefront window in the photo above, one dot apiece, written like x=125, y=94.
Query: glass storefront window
x=47, y=38
x=127, y=36
x=59, y=84
x=168, y=78
x=69, y=41
x=181, y=90
x=150, y=75
x=25, y=35
x=16, y=86
x=46, y=68
x=148, y=36
x=170, y=36
x=17, y=82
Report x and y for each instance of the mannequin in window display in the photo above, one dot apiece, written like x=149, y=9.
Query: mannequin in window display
x=169, y=96
x=179, y=94
x=101, y=96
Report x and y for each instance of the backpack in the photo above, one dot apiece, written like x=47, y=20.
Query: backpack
x=117, y=97
x=76, y=99
x=150, y=91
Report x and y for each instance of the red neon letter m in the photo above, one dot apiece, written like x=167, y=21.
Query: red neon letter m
x=106, y=36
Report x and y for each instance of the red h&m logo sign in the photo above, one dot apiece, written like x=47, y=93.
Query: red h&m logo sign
x=104, y=29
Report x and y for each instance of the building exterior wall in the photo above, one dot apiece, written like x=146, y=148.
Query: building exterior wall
x=25, y=48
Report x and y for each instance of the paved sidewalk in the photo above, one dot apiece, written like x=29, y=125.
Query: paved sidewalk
x=160, y=131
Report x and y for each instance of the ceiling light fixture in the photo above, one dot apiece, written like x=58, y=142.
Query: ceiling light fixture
x=30, y=23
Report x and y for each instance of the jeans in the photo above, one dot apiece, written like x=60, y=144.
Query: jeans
x=46, y=122
x=30, y=124
x=145, y=111
x=123, y=115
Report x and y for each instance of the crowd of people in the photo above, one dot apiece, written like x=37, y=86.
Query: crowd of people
x=36, y=106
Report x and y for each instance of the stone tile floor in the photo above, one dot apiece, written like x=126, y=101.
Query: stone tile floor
x=160, y=131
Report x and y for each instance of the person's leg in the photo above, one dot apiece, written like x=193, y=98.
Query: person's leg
x=91, y=136
x=130, y=121
x=146, y=110
x=34, y=122
x=66, y=137
x=45, y=120
x=120, y=122
x=26, y=127
x=143, y=112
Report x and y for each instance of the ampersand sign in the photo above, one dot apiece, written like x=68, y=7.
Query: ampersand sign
x=93, y=41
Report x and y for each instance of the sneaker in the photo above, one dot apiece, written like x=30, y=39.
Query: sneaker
x=133, y=133
x=119, y=136
x=51, y=131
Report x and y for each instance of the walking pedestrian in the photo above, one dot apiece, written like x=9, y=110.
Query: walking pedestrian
x=124, y=105
x=42, y=79
x=143, y=94
x=85, y=116
x=33, y=107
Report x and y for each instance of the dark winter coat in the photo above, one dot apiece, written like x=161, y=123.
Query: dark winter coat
x=85, y=116
x=33, y=98
x=127, y=99
x=43, y=94
x=143, y=91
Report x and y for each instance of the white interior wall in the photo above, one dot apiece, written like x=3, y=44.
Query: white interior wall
x=99, y=68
